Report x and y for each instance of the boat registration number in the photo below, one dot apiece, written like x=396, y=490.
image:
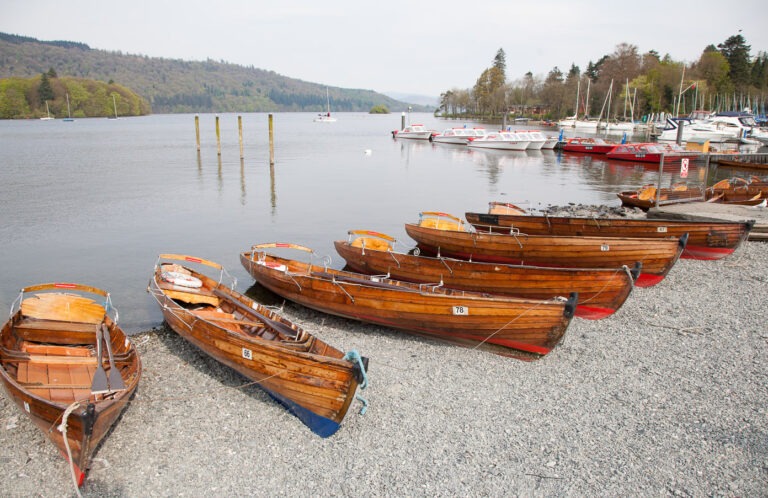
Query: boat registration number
x=247, y=354
x=460, y=310
x=661, y=229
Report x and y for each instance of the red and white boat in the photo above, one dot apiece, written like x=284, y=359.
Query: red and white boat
x=458, y=135
x=588, y=145
x=650, y=152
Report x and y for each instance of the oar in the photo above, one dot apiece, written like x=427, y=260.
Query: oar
x=116, y=382
x=99, y=384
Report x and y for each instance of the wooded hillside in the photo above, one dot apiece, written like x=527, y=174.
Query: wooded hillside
x=172, y=85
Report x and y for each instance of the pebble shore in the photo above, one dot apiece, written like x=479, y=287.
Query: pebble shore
x=666, y=397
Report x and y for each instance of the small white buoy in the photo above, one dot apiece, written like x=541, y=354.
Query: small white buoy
x=368, y=152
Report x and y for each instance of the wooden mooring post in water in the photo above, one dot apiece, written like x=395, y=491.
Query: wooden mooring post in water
x=197, y=131
x=240, y=134
x=218, y=137
x=271, y=141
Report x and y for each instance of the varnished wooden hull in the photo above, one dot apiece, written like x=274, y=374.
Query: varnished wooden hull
x=48, y=365
x=706, y=239
x=313, y=380
x=600, y=291
x=503, y=325
x=656, y=255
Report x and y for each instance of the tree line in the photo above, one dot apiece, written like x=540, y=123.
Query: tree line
x=725, y=78
x=47, y=94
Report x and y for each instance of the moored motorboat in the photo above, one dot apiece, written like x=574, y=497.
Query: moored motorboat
x=708, y=239
x=414, y=131
x=588, y=145
x=503, y=140
x=501, y=324
x=443, y=234
x=53, y=351
x=601, y=291
x=648, y=152
x=312, y=379
x=458, y=136
x=536, y=139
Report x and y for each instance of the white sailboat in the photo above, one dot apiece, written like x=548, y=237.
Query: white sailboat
x=69, y=112
x=48, y=112
x=574, y=121
x=326, y=118
x=114, y=105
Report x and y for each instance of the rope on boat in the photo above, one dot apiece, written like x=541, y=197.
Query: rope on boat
x=490, y=336
x=63, y=429
x=354, y=356
x=625, y=269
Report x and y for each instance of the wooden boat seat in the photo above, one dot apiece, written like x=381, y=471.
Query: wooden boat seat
x=63, y=307
x=188, y=294
x=647, y=194
x=441, y=224
x=31, y=329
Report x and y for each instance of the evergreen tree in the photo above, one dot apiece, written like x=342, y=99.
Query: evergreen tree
x=736, y=51
x=52, y=73
x=44, y=90
x=500, y=62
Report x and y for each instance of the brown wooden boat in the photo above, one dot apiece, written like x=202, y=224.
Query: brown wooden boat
x=52, y=365
x=645, y=197
x=505, y=325
x=313, y=380
x=742, y=164
x=601, y=291
x=447, y=235
x=706, y=239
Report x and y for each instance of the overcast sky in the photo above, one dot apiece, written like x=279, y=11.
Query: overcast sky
x=417, y=46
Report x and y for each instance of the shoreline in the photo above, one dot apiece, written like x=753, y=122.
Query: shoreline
x=667, y=396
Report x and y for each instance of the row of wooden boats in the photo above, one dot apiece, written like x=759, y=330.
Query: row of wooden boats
x=733, y=191
x=505, y=281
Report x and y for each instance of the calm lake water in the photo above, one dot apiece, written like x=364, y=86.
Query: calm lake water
x=95, y=201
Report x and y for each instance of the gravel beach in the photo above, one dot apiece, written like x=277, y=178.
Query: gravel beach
x=666, y=397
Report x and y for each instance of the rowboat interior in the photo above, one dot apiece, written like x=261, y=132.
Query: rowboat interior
x=53, y=350
x=208, y=303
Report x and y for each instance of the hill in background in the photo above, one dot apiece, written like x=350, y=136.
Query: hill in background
x=175, y=86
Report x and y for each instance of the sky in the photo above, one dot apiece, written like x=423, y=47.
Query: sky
x=395, y=46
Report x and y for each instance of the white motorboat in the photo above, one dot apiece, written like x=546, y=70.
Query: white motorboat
x=740, y=125
x=694, y=131
x=499, y=140
x=458, y=135
x=414, y=131
x=536, y=139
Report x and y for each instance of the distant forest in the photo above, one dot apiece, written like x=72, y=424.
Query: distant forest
x=177, y=86
x=625, y=83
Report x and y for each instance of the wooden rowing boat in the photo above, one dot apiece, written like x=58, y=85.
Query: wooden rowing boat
x=601, y=291
x=313, y=380
x=742, y=164
x=706, y=239
x=52, y=365
x=447, y=235
x=509, y=326
x=645, y=197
